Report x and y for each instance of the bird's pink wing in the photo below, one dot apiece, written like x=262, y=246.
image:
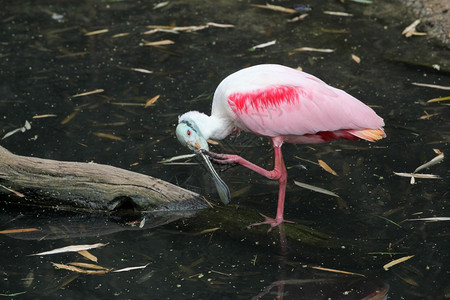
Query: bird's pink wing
x=313, y=107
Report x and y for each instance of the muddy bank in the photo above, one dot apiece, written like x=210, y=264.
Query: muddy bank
x=435, y=17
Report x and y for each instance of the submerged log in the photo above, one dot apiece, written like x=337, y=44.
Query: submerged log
x=88, y=187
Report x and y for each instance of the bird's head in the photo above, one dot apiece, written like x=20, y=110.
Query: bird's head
x=190, y=135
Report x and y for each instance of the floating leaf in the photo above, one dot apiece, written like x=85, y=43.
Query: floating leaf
x=427, y=116
x=275, y=8
x=435, y=219
x=78, y=270
x=107, y=136
x=326, y=167
x=70, y=117
x=363, y=1
x=121, y=34
x=151, y=101
x=390, y=221
x=28, y=280
x=44, y=116
x=13, y=191
x=337, y=271
x=73, y=248
x=88, y=93
x=418, y=175
x=437, y=151
x=206, y=231
x=310, y=49
x=434, y=161
x=25, y=127
x=356, y=58
x=434, y=86
x=397, y=261
x=315, y=189
x=160, y=4
x=88, y=255
x=178, y=157
x=142, y=70
x=263, y=45
x=87, y=266
x=218, y=25
x=438, y=99
x=130, y=269
x=159, y=43
x=298, y=18
x=100, y=31
x=411, y=29
x=127, y=104
x=8, y=134
x=18, y=230
x=13, y=294
x=142, y=223
x=338, y=13
x=171, y=29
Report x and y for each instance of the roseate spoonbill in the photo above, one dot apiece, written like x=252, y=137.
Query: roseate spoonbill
x=283, y=104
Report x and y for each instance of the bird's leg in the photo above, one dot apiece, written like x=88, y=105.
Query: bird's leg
x=232, y=159
x=278, y=173
x=280, y=170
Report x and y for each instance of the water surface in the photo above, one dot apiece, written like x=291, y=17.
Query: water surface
x=46, y=57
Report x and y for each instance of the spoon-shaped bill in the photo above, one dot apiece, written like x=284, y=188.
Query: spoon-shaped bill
x=222, y=188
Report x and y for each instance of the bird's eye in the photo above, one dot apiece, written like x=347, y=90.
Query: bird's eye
x=188, y=132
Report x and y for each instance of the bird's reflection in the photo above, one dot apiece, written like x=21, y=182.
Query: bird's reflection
x=311, y=286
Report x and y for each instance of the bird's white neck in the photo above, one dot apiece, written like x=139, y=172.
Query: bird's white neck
x=211, y=127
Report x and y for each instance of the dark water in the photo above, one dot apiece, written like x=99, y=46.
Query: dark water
x=45, y=57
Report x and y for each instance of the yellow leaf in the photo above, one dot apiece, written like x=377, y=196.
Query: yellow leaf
x=121, y=34
x=96, y=32
x=338, y=271
x=87, y=266
x=159, y=43
x=151, y=101
x=396, y=261
x=13, y=191
x=18, y=230
x=275, y=8
x=438, y=99
x=437, y=151
x=356, y=58
x=107, y=136
x=327, y=167
x=69, y=117
x=79, y=270
x=43, y=116
x=88, y=93
x=87, y=255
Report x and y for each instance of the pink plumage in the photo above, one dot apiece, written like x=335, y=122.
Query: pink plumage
x=286, y=105
x=273, y=100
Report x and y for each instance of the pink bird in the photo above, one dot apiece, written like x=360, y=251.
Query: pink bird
x=283, y=104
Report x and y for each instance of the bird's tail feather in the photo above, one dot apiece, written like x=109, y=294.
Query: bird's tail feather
x=368, y=134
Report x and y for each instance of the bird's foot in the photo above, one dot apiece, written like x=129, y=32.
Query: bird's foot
x=224, y=159
x=270, y=221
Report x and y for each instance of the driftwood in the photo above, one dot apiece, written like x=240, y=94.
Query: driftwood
x=88, y=187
